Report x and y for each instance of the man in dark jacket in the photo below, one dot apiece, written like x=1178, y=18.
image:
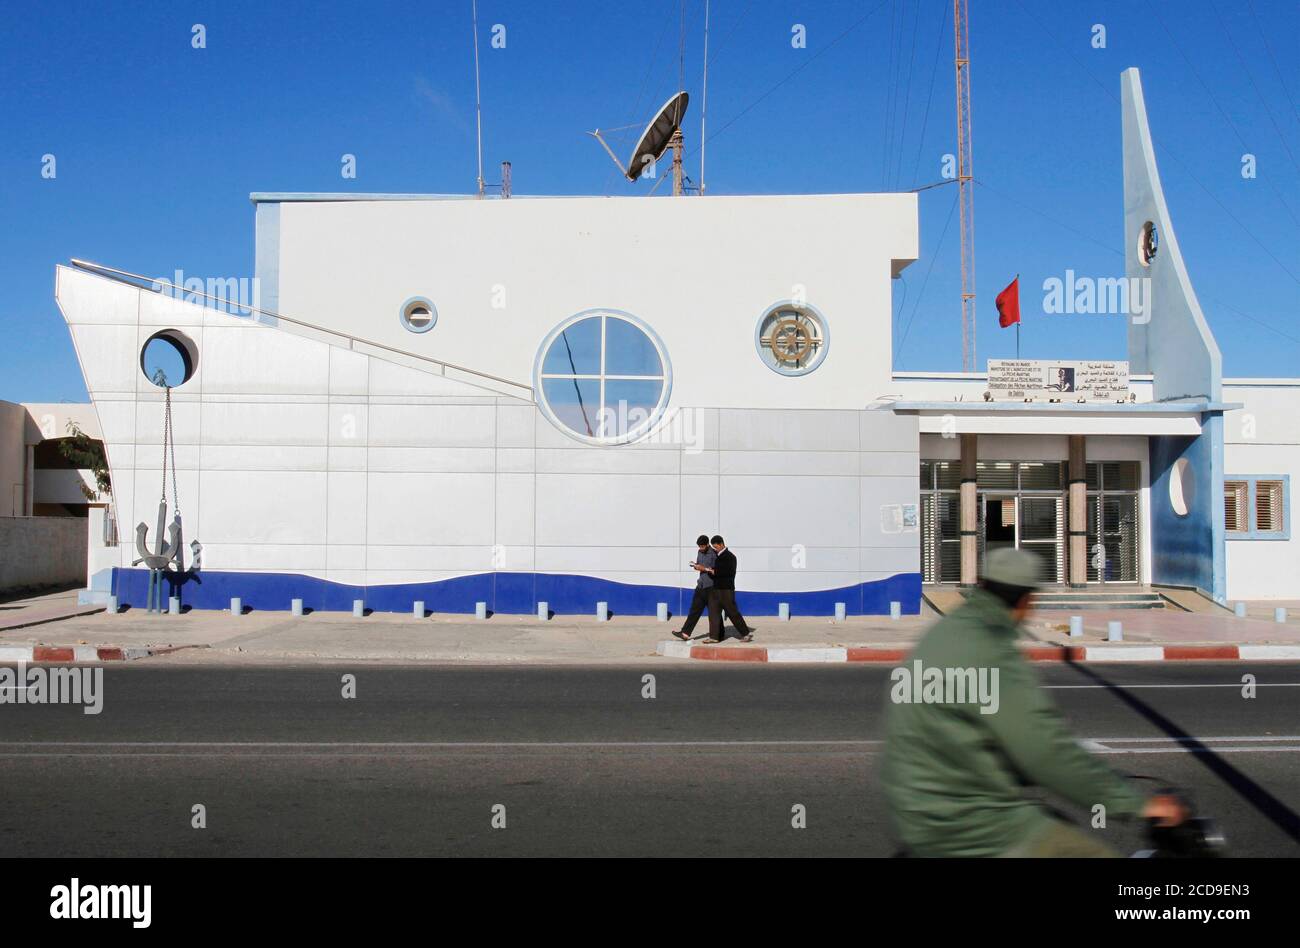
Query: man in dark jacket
x=955, y=764
x=703, y=566
x=722, y=597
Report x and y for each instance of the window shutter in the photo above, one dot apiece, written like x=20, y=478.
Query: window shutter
x=1268, y=506
x=1235, y=507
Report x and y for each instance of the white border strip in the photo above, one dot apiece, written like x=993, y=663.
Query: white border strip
x=1268, y=651
x=1126, y=653
x=807, y=655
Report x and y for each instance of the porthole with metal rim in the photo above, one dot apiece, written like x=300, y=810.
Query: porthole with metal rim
x=418, y=314
x=792, y=338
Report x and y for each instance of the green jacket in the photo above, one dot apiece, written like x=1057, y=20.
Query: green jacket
x=953, y=775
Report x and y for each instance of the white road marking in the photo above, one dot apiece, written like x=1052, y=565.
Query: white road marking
x=1217, y=749
x=1229, y=744
x=1123, y=687
x=433, y=745
x=1190, y=740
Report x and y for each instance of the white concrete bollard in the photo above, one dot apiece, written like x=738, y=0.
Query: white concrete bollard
x=114, y=607
x=236, y=606
x=173, y=606
x=895, y=610
x=296, y=607
x=417, y=609
x=1114, y=631
x=358, y=608
x=661, y=612
x=1279, y=614
x=840, y=611
x=1076, y=627
x=544, y=611
x=602, y=612
x=783, y=611
x=480, y=610
x=1239, y=610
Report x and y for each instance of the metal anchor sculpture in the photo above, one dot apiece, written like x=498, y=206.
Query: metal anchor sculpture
x=168, y=554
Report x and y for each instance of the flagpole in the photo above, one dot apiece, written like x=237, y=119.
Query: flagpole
x=1017, y=340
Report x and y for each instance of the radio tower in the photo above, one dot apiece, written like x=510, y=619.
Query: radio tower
x=961, y=48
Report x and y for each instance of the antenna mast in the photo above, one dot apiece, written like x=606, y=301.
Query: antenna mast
x=704, y=107
x=965, y=197
x=478, y=101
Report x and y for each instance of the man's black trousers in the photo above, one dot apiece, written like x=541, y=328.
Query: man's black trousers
x=720, y=601
x=698, y=603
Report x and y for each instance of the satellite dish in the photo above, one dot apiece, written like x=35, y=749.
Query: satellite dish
x=657, y=136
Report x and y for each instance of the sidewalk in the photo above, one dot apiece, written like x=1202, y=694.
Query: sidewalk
x=281, y=638
x=42, y=608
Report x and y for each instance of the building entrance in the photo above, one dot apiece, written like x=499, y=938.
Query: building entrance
x=1022, y=505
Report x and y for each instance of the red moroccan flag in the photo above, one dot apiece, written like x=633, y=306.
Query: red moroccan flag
x=1009, y=304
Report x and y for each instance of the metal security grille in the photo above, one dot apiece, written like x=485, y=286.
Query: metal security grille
x=1268, y=506
x=1113, y=522
x=1236, y=513
x=941, y=537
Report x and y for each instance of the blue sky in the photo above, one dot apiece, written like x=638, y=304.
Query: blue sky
x=159, y=144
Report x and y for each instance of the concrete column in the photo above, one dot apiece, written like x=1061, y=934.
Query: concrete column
x=969, y=513
x=1077, y=517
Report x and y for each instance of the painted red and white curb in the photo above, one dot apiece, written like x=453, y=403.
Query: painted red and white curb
x=79, y=653
x=1037, y=653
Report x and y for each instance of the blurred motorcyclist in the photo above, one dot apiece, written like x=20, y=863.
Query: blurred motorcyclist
x=953, y=771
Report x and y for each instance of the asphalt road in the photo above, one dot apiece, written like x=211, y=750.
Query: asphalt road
x=583, y=764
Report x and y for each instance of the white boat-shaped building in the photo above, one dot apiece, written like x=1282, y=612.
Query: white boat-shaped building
x=524, y=401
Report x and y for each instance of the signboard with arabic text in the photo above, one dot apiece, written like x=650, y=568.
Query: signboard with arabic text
x=1039, y=380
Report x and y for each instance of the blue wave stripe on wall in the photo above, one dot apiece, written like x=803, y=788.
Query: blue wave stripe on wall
x=507, y=593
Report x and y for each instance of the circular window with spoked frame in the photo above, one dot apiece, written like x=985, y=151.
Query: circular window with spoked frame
x=792, y=338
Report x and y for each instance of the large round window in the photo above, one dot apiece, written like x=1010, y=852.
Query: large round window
x=603, y=377
x=168, y=358
x=792, y=338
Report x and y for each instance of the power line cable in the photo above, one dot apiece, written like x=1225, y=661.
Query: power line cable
x=1251, y=76
x=645, y=81
x=934, y=72
x=1183, y=165
x=925, y=282
x=1120, y=253
x=1268, y=47
x=804, y=65
x=907, y=97
x=1222, y=112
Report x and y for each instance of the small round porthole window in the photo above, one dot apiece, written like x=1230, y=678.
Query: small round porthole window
x=418, y=314
x=602, y=377
x=792, y=338
x=1148, y=243
x=168, y=358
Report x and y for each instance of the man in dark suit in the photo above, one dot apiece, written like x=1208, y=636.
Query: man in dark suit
x=722, y=597
x=703, y=567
